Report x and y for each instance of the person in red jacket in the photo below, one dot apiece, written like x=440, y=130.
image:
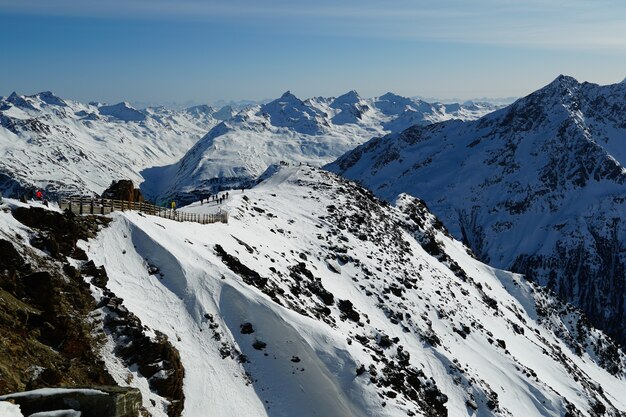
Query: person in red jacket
x=39, y=195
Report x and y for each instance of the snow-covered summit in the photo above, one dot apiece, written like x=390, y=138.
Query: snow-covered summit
x=49, y=98
x=537, y=187
x=391, y=104
x=351, y=97
x=224, y=113
x=122, y=111
x=291, y=112
x=352, y=108
x=202, y=109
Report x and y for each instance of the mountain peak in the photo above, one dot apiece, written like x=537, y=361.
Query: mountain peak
x=563, y=81
x=391, y=96
x=287, y=95
x=200, y=109
x=350, y=97
x=122, y=111
x=19, y=101
x=49, y=98
x=351, y=93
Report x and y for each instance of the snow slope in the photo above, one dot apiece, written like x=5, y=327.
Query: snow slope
x=317, y=299
x=314, y=131
x=538, y=187
x=66, y=147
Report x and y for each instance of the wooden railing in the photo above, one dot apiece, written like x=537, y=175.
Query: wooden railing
x=87, y=205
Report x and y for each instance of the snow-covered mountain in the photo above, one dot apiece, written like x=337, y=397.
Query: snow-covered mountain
x=538, y=187
x=318, y=299
x=315, y=299
x=67, y=147
x=314, y=131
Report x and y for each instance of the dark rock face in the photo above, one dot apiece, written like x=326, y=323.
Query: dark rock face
x=123, y=190
x=156, y=359
x=107, y=401
x=47, y=336
x=45, y=305
x=538, y=188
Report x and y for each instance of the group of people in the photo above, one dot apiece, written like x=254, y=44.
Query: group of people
x=217, y=198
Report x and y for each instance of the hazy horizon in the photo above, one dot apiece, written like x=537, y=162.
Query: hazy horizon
x=162, y=51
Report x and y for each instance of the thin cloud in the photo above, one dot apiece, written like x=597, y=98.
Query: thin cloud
x=558, y=24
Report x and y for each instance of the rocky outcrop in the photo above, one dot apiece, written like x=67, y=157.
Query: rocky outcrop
x=47, y=334
x=123, y=190
x=155, y=358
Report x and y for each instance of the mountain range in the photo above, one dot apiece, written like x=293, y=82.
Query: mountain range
x=66, y=147
x=383, y=296
x=538, y=187
x=315, y=131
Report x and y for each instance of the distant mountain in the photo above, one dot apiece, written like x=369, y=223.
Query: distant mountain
x=122, y=111
x=351, y=108
x=313, y=131
x=538, y=187
x=80, y=148
x=67, y=147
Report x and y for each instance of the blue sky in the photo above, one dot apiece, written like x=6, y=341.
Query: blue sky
x=203, y=51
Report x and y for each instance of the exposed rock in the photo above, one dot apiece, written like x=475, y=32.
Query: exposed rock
x=47, y=336
x=123, y=190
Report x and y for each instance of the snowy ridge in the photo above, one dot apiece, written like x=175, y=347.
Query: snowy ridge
x=319, y=299
x=313, y=131
x=538, y=187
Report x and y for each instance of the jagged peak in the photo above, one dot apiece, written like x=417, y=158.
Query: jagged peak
x=19, y=101
x=200, y=108
x=392, y=97
x=288, y=95
x=125, y=104
x=123, y=111
x=50, y=98
x=351, y=97
x=563, y=81
x=350, y=94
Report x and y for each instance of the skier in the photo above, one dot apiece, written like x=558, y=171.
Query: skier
x=39, y=195
x=173, y=205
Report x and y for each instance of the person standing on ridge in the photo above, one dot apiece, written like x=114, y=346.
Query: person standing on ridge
x=39, y=195
x=173, y=205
